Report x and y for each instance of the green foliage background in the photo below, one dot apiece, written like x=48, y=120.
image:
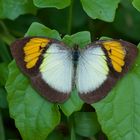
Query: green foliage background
x=116, y=117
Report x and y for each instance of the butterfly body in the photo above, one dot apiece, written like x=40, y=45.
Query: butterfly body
x=75, y=54
x=55, y=69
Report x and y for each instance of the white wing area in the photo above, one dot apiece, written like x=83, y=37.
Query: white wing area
x=57, y=68
x=92, y=70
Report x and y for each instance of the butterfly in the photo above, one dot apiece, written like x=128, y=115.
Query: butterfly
x=55, y=69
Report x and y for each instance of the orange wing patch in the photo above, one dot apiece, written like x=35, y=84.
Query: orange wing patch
x=116, y=53
x=33, y=50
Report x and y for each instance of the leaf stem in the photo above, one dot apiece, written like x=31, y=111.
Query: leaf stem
x=70, y=18
x=70, y=121
x=73, y=137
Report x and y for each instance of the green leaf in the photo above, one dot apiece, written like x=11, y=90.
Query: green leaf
x=119, y=113
x=3, y=73
x=59, y=4
x=136, y=4
x=37, y=29
x=34, y=116
x=74, y=103
x=101, y=9
x=86, y=123
x=80, y=38
x=12, y=9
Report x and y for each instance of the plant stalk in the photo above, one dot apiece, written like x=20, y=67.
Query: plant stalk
x=70, y=16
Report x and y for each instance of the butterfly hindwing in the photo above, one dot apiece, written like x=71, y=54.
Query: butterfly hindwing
x=103, y=68
x=48, y=63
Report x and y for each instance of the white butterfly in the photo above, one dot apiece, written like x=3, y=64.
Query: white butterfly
x=55, y=69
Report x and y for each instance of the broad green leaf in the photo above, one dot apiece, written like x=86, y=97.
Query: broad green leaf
x=86, y=124
x=80, y=38
x=3, y=98
x=74, y=103
x=59, y=4
x=119, y=113
x=37, y=29
x=34, y=116
x=12, y=9
x=101, y=9
x=3, y=73
x=136, y=4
